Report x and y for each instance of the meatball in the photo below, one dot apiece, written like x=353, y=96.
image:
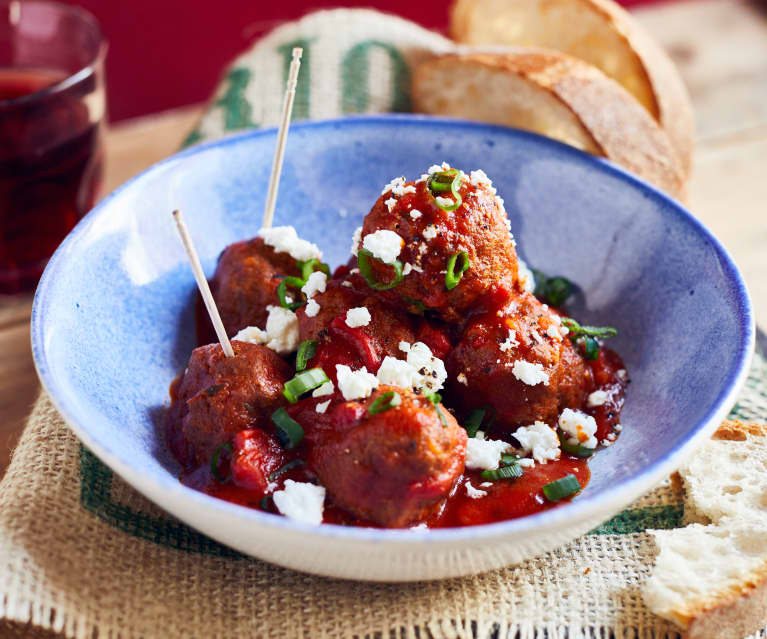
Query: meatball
x=516, y=361
x=246, y=280
x=394, y=468
x=356, y=346
x=219, y=396
x=432, y=236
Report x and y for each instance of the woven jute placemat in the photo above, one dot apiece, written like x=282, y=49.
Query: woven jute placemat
x=83, y=555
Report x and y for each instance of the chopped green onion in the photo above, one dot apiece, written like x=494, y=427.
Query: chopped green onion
x=451, y=276
x=576, y=330
x=306, y=351
x=552, y=290
x=442, y=181
x=296, y=463
x=308, y=267
x=574, y=449
x=512, y=471
x=214, y=461
x=363, y=261
x=296, y=282
x=561, y=488
x=507, y=459
x=474, y=421
x=289, y=431
x=303, y=383
x=436, y=398
x=385, y=402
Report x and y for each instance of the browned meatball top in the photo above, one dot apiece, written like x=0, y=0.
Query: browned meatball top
x=219, y=396
x=516, y=361
x=394, y=468
x=246, y=280
x=431, y=236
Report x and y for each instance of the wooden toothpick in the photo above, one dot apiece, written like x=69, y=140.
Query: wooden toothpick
x=282, y=134
x=202, y=284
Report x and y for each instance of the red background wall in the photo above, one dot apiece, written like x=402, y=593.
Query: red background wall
x=167, y=53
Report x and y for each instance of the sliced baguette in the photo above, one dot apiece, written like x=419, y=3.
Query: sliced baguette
x=599, y=32
x=555, y=95
x=711, y=579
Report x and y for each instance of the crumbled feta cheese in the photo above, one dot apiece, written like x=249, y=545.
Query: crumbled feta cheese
x=409, y=268
x=472, y=492
x=598, y=398
x=316, y=283
x=390, y=204
x=484, y=454
x=617, y=428
x=252, y=334
x=322, y=407
x=579, y=426
x=622, y=374
x=281, y=334
x=606, y=443
x=432, y=369
x=312, y=308
x=421, y=526
x=444, y=201
x=486, y=484
x=526, y=462
x=462, y=379
x=540, y=440
x=511, y=342
x=479, y=178
x=430, y=232
x=499, y=201
x=536, y=336
x=397, y=187
x=553, y=331
x=284, y=239
x=324, y=389
x=415, y=214
x=385, y=245
x=526, y=277
x=356, y=238
x=436, y=168
x=301, y=501
x=612, y=437
x=480, y=434
x=347, y=284
x=356, y=317
x=355, y=384
x=420, y=371
x=422, y=248
x=529, y=373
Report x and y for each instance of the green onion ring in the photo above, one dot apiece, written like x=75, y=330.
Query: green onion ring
x=562, y=488
x=295, y=282
x=438, y=185
x=215, y=459
x=303, y=382
x=306, y=351
x=289, y=431
x=363, y=261
x=590, y=348
x=385, y=402
x=308, y=267
x=451, y=277
x=574, y=449
x=296, y=463
x=511, y=471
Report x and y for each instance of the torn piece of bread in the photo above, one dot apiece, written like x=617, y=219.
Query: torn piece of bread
x=599, y=32
x=555, y=95
x=711, y=578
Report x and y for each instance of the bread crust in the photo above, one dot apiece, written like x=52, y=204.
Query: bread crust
x=741, y=609
x=670, y=106
x=619, y=127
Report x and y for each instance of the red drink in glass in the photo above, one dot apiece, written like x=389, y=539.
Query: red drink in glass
x=51, y=129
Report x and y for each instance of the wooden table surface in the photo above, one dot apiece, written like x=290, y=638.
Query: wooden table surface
x=721, y=49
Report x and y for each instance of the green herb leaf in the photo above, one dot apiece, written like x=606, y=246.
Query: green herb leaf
x=576, y=330
x=214, y=462
x=561, y=488
x=452, y=277
x=552, y=290
x=306, y=351
x=385, y=402
x=364, y=258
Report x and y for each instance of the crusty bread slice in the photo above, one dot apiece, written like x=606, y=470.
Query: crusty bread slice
x=711, y=579
x=555, y=95
x=599, y=32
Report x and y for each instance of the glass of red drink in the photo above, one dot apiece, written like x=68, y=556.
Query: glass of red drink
x=52, y=112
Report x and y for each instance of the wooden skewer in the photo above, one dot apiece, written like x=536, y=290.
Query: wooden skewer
x=202, y=284
x=282, y=134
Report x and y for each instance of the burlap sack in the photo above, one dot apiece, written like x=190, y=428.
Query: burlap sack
x=82, y=555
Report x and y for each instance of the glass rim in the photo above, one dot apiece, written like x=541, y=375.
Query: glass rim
x=72, y=78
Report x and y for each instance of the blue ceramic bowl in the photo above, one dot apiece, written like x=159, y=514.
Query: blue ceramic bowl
x=112, y=323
